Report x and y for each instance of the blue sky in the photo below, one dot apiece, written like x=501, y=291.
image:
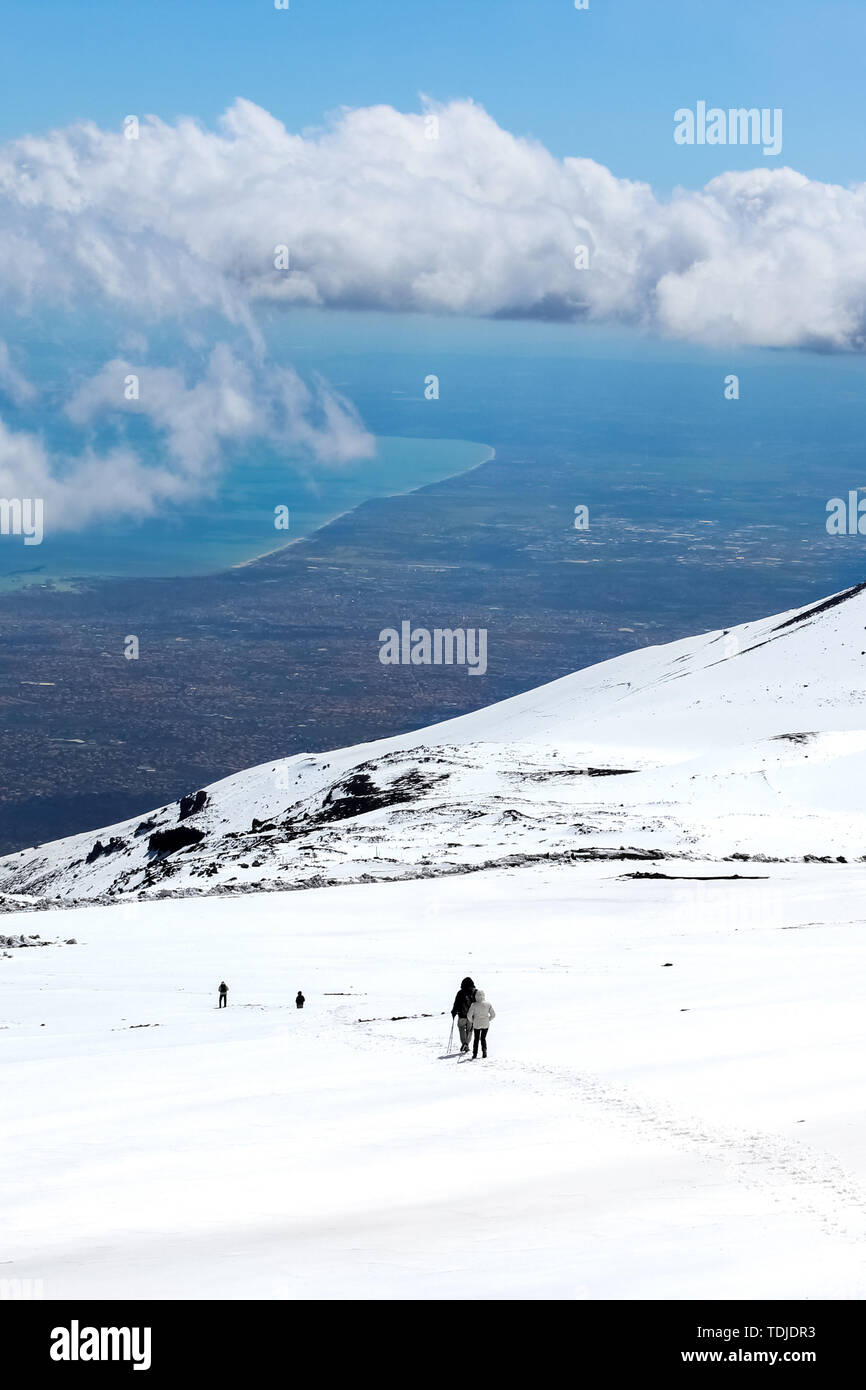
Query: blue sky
x=470, y=236
x=602, y=83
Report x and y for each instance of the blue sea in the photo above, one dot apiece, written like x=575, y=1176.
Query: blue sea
x=644, y=425
x=235, y=523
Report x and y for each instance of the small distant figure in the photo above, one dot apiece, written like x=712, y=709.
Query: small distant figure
x=460, y=1008
x=300, y=1001
x=479, y=1017
x=224, y=989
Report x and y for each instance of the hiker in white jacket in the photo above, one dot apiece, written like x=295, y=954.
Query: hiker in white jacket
x=480, y=1015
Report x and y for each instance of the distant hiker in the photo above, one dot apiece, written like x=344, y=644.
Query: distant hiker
x=462, y=1002
x=479, y=1017
x=224, y=989
x=299, y=1000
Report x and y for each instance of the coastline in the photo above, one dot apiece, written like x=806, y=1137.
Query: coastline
x=347, y=511
x=71, y=578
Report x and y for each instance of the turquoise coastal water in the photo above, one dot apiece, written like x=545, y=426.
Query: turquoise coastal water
x=236, y=523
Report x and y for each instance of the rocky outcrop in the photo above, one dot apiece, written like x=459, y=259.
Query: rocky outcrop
x=99, y=849
x=192, y=804
x=175, y=838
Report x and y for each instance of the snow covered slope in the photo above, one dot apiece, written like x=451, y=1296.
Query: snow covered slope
x=672, y=1108
x=673, y=1102
x=747, y=743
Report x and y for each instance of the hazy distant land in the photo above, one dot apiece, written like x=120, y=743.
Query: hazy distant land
x=281, y=655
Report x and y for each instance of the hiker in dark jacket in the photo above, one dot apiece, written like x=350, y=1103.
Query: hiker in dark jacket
x=224, y=989
x=300, y=1001
x=464, y=998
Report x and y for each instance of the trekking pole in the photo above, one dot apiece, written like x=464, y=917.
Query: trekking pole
x=450, y=1036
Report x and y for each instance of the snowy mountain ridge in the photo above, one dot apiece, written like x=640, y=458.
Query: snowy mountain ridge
x=743, y=743
x=672, y=1103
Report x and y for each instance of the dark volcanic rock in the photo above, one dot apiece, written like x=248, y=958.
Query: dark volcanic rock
x=176, y=837
x=358, y=794
x=355, y=795
x=190, y=805
x=114, y=844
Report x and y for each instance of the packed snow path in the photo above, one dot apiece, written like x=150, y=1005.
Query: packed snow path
x=672, y=1105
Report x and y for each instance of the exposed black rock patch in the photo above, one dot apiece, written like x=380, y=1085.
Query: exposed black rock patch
x=174, y=838
x=358, y=795
x=821, y=607
x=192, y=804
x=99, y=849
x=544, y=774
x=701, y=878
x=621, y=853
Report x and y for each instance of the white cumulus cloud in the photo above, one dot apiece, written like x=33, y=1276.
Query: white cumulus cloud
x=376, y=214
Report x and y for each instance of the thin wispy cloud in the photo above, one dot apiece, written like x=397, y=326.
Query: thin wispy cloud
x=193, y=424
